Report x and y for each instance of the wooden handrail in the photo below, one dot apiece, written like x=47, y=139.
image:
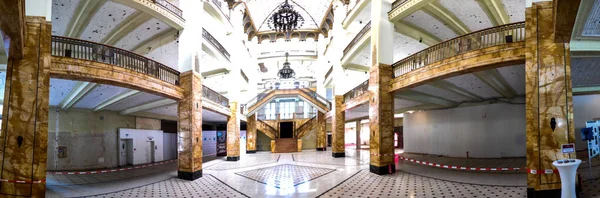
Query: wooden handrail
x=88, y=50
x=358, y=36
x=357, y=91
x=170, y=7
x=215, y=43
x=214, y=96
x=498, y=35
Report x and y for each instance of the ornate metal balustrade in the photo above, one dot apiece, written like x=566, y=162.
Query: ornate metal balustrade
x=358, y=36
x=317, y=97
x=87, y=50
x=170, y=7
x=215, y=43
x=254, y=100
x=357, y=91
x=219, y=4
x=214, y=96
x=356, y=2
x=494, y=36
x=398, y=3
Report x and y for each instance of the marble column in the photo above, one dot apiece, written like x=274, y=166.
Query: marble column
x=337, y=132
x=321, y=131
x=251, y=134
x=24, y=135
x=381, y=102
x=358, y=128
x=233, y=133
x=190, y=127
x=549, y=107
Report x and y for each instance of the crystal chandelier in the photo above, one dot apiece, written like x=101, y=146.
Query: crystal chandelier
x=286, y=72
x=286, y=19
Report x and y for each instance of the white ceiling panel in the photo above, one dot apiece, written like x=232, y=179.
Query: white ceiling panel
x=59, y=89
x=99, y=94
x=434, y=91
x=170, y=110
x=142, y=33
x=515, y=10
x=430, y=24
x=405, y=46
x=474, y=85
x=133, y=101
x=210, y=116
x=166, y=54
x=401, y=104
x=105, y=20
x=515, y=76
x=363, y=57
x=357, y=112
x=469, y=12
x=62, y=13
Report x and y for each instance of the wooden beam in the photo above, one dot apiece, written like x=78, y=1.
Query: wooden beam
x=494, y=79
x=116, y=99
x=129, y=24
x=417, y=33
x=436, y=10
x=495, y=11
x=79, y=90
x=82, y=16
x=147, y=106
x=564, y=14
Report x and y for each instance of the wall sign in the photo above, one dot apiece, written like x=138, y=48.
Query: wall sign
x=567, y=148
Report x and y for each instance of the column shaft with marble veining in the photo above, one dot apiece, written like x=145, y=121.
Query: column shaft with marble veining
x=233, y=133
x=24, y=135
x=321, y=131
x=190, y=127
x=549, y=107
x=337, y=132
x=358, y=128
x=251, y=134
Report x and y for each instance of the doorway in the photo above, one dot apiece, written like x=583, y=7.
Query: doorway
x=286, y=130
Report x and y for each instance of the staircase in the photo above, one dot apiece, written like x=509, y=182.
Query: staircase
x=286, y=145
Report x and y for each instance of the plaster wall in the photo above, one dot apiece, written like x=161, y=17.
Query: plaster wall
x=170, y=146
x=486, y=131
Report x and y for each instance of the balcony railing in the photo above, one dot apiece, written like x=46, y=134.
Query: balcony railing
x=356, y=2
x=254, y=100
x=494, y=36
x=87, y=50
x=170, y=7
x=317, y=97
x=357, y=91
x=214, y=96
x=357, y=38
x=215, y=43
x=219, y=4
x=329, y=72
x=398, y=3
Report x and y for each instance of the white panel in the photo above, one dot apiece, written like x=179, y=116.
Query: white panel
x=170, y=110
x=105, y=20
x=141, y=144
x=515, y=76
x=488, y=131
x=434, y=91
x=430, y=24
x=59, y=89
x=166, y=54
x=405, y=46
x=210, y=116
x=170, y=146
x=401, y=104
x=133, y=101
x=474, y=85
x=99, y=94
x=62, y=13
x=209, y=143
x=142, y=33
x=515, y=10
x=469, y=12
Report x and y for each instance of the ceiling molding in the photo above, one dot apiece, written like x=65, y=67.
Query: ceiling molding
x=406, y=9
x=494, y=79
x=147, y=106
x=156, y=41
x=424, y=98
x=82, y=16
x=448, y=86
x=116, y=99
x=416, y=33
x=77, y=92
x=495, y=11
x=436, y=10
x=356, y=67
x=123, y=29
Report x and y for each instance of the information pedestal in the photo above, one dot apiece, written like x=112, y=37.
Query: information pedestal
x=567, y=168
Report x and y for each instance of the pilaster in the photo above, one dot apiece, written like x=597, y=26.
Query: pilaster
x=321, y=131
x=251, y=134
x=358, y=128
x=190, y=127
x=337, y=132
x=233, y=133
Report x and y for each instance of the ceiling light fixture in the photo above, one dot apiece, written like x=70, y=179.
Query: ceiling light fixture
x=286, y=72
x=286, y=19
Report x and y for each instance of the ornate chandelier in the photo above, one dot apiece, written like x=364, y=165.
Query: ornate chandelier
x=286, y=72
x=286, y=19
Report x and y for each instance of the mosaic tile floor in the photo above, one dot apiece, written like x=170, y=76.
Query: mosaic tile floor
x=245, y=161
x=286, y=175
x=365, y=184
x=206, y=186
x=325, y=158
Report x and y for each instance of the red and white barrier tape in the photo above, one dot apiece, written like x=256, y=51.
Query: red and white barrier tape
x=458, y=167
x=110, y=170
x=23, y=181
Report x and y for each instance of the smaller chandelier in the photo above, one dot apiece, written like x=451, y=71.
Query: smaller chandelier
x=286, y=19
x=286, y=72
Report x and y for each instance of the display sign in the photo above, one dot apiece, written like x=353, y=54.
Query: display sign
x=567, y=148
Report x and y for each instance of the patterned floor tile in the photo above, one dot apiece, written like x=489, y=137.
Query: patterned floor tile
x=286, y=175
x=245, y=161
x=366, y=184
x=325, y=158
x=206, y=186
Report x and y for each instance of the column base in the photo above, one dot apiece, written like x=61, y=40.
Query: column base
x=189, y=176
x=321, y=149
x=233, y=158
x=382, y=170
x=338, y=154
x=253, y=151
x=543, y=193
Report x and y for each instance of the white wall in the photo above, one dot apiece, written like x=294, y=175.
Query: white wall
x=585, y=108
x=169, y=146
x=141, y=144
x=487, y=131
